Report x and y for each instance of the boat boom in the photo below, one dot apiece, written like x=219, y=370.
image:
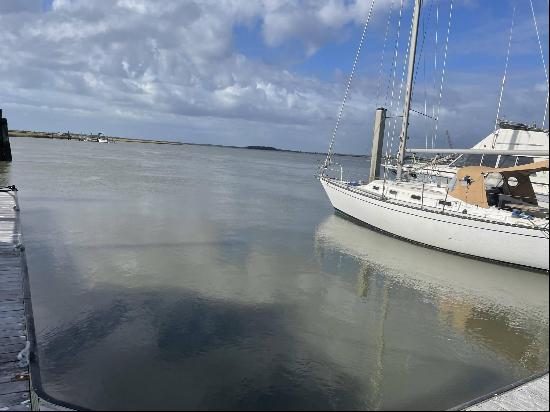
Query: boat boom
x=534, y=153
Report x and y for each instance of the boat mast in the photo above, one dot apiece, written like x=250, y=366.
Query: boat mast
x=408, y=94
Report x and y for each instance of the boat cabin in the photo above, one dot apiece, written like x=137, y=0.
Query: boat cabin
x=505, y=188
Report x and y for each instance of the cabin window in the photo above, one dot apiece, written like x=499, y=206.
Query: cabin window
x=493, y=180
x=393, y=192
x=523, y=160
x=511, y=161
x=512, y=181
x=376, y=187
x=507, y=161
x=443, y=202
x=416, y=197
x=467, y=160
x=489, y=160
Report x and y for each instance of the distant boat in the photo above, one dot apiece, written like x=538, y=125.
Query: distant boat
x=484, y=212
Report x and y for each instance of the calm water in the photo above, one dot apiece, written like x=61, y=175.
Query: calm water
x=189, y=277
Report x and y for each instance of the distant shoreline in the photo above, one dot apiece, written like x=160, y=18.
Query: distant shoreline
x=114, y=139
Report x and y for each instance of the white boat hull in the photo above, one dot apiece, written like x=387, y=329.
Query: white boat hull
x=512, y=244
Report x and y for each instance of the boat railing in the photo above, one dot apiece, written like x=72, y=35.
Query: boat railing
x=340, y=169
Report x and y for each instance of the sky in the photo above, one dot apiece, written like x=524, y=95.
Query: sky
x=270, y=72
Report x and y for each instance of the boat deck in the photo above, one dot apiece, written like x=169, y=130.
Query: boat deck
x=430, y=197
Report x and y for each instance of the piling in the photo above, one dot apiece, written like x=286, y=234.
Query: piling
x=5, y=149
x=377, y=143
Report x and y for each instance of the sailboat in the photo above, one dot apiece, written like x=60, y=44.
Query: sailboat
x=470, y=216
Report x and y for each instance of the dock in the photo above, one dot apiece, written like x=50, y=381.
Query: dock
x=14, y=372
x=528, y=396
x=20, y=384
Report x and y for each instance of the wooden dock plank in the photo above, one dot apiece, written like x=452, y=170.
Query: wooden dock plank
x=11, y=348
x=12, y=368
x=11, y=295
x=10, y=327
x=11, y=312
x=12, y=278
x=10, y=284
x=10, y=288
x=8, y=357
x=14, y=393
x=11, y=340
x=16, y=318
x=12, y=374
x=12, y=322
x=10, y=307
x=12, y=400
x=8, y=317
x=9, y=372
x=14, y=387
x=13, y=333
x=9, y=273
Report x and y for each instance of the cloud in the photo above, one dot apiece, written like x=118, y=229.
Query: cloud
x=136, y=66
x=138, y=59
x=18, y=6
x=174, y=56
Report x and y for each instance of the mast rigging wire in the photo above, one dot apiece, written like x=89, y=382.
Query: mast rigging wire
x=436, y=49
x=425, y=22
x=340, y=113
x=543, y=61
x=495, y=134
x=383, y=52
x=389, y=147
x=402, y=83
x=391, y=78
x=443, y=74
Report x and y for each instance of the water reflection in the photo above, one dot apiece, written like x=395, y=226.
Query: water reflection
x=501, y=308
x=193, y=278
x=194, y=352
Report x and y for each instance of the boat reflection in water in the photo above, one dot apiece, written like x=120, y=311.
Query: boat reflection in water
x=494, y=317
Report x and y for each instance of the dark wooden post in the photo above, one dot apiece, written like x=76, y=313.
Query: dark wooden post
x=5, y=149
